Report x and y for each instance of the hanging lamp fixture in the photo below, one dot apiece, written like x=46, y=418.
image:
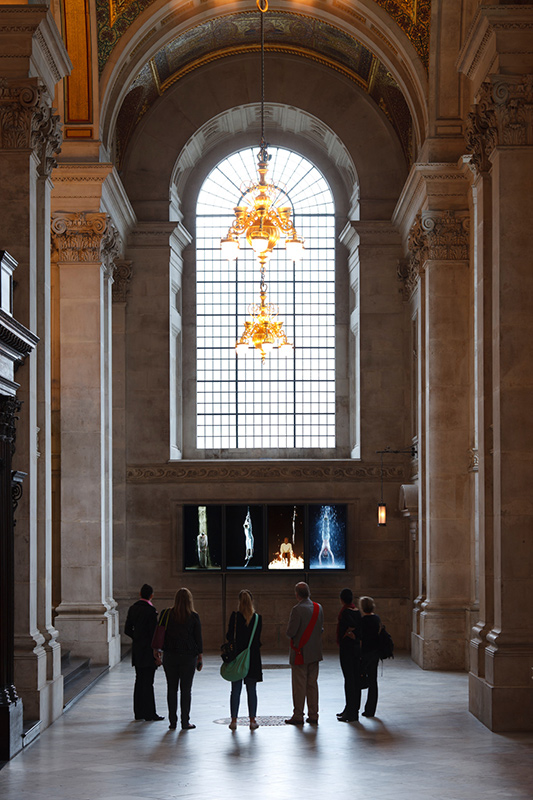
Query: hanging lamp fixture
x=382, y=506
x=263, y=223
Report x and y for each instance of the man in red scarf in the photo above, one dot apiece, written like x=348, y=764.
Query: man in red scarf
x=305, y=627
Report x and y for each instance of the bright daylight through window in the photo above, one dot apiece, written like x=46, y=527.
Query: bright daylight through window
x=289, y=401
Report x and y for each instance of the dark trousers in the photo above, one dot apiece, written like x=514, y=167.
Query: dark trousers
x=143, y=693
x=369, y=663
x=235, y=697
x=179, y=671
x=351, y=669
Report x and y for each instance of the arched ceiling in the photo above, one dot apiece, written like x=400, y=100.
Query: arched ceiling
x=285, y=32
x=115, y=17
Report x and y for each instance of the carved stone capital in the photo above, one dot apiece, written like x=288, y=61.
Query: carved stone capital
x=9, y=408
x=121, y=280
x=47, y=137
x=437, y=236
x=19, y=103
x=81, y=237
x=109, y=249
x=473, y=465
x=503, y=115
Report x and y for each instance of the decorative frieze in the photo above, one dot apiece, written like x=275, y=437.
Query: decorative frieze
x=121, y=280
x=82, y=237
x=502, y=116
x=234, y=473
x=434, y=236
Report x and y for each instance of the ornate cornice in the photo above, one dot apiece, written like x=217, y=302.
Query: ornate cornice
x=121, y=280
x=434, y=236
x=203, y=472
x=81, y=237
x=502, y=116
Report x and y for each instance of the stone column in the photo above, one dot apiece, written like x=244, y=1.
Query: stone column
x=84, y=246
x=439, y=244
x=501, y=690
x=29, y=136
x=121, y=282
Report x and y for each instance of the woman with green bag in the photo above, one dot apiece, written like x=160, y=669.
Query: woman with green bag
x=244, y=629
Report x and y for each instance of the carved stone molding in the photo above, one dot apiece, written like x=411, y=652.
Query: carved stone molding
x=9, y=408
x=81, y=237
x=473, y=465
x=503, y=115
x=434, y=236
x=236, y=473
x=121, y=280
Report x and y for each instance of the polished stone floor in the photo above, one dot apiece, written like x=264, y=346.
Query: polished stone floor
x=423, y=745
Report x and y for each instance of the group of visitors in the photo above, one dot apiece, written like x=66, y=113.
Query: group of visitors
x=175, y=641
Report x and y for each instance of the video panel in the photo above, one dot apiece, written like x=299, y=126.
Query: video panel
x=327, y=536
x=286, y=537
x=244, y=537
x=202, y=537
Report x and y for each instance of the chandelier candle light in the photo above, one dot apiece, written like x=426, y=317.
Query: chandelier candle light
x=263, y=223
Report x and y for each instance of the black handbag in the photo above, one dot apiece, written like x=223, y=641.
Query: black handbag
x=228, y=650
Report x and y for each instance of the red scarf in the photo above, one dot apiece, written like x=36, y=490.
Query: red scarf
x=306, y=635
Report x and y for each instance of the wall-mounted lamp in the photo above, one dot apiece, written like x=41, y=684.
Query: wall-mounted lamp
x=382, y=506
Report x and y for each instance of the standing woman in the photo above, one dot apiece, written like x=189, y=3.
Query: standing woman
x=370, y=625
x=182, y=655
x=349, y=641
x=240, y=629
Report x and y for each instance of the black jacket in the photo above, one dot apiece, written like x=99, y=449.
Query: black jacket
x=140, y=626
x=242, y=637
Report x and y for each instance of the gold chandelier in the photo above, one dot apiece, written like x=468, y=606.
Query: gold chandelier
x=263, y=223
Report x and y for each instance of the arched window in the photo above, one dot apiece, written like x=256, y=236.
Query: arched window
x=287, y=402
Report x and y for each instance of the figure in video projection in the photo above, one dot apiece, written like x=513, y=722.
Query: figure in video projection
x=248, y=538
x=286, y=551
x=202, y=542
x=326, y=553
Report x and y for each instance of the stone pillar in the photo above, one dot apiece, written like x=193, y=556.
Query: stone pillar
x=84, y=246
x=29, y=136
x=121, y=283
x=501, y=130
x=439, y=244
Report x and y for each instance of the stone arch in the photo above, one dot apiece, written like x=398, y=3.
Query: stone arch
x=202, y=95
x=400, y=52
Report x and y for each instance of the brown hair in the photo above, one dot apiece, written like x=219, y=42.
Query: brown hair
x=183, y=605
x=246, y=605
x=366, y=604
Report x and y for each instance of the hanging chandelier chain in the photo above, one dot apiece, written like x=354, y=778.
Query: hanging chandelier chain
x=262, y=5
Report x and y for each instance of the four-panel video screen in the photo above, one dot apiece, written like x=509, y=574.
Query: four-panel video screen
x=264, y=537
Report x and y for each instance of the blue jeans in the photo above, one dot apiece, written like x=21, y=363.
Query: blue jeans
x=236, y=687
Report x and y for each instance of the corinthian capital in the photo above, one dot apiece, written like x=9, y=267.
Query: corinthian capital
x=503, y=115
x=79, y=237
x=47, y=137
x=438, y=236
x=121, y=280
x=19, y=102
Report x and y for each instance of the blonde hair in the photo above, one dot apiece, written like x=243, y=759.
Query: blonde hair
x=183, y=605
x=246, y=605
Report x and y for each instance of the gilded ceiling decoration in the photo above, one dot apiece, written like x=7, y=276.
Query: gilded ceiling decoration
x=115, y=16
x=284, y=32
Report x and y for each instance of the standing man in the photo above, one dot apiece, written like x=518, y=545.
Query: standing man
x=305, y=627
x=140, y=626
